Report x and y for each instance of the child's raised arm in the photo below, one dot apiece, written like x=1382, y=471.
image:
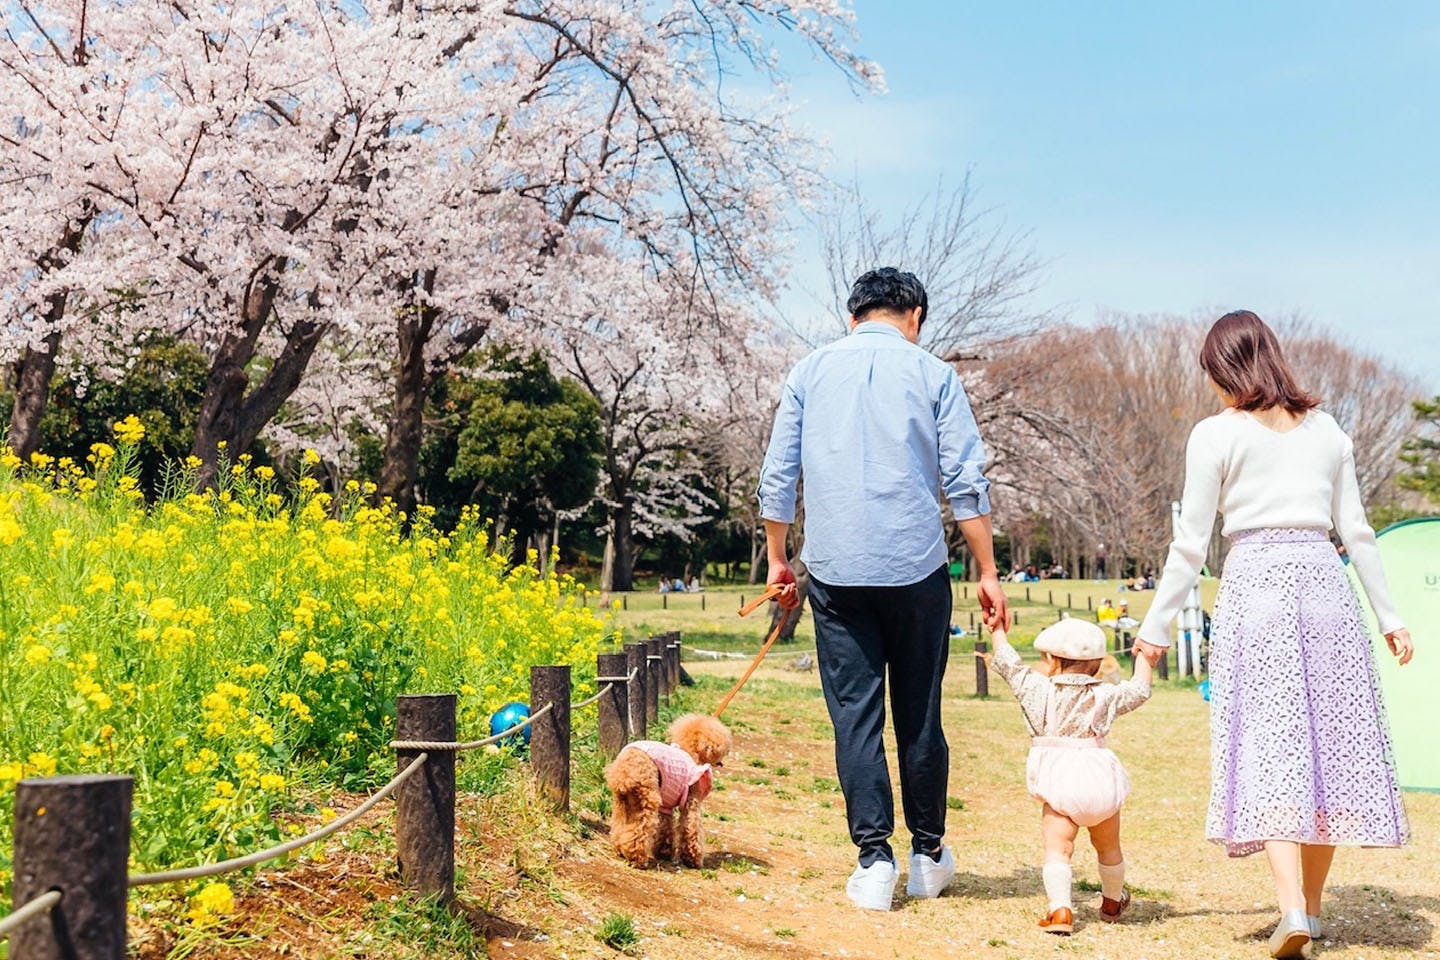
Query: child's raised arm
x=1131, y=693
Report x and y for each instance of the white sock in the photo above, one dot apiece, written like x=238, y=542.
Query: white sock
x=1057, y=884
x=1112, y=880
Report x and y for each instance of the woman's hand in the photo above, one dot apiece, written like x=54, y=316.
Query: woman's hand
x=1400, y=645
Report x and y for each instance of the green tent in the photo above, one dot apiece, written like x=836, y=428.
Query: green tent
x=1411, y=554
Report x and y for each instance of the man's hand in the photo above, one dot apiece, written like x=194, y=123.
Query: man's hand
x=994, y=606
x=1401, y=645
x=777, y=534
x=1149, y=651
x=781, y=573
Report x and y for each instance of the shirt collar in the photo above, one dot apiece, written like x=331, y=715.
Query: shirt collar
x=1074, y=679
x=878, y=326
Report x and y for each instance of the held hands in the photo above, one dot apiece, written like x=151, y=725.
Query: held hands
x=994, y=607
x=1400, y=645
x=1149, y=651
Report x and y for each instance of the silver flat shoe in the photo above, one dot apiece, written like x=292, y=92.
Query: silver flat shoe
x=1315, y=932
x=1292, y=936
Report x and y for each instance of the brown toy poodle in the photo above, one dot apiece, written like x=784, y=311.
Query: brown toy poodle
x=651, y=782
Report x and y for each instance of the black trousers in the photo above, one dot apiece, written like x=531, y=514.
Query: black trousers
x=860, y=631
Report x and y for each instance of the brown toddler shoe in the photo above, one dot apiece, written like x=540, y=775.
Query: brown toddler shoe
x=1112, y=910
x=1060, y=921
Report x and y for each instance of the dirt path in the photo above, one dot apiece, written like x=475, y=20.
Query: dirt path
x=774, y=885
x=537, y=886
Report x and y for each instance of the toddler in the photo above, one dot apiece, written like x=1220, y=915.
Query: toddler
x=1070, y=771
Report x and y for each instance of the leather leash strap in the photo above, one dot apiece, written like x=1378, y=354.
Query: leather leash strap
x=773, y=591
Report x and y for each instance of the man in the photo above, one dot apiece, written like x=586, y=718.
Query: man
x=879, y=427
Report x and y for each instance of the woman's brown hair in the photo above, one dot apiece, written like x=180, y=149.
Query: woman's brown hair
x=1243, y=356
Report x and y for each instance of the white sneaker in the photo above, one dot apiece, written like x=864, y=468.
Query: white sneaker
x=929, y=877
x=873, y=887
x=1315, y=931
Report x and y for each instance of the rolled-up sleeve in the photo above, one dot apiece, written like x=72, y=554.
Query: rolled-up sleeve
x=962, y=453
x=781, y=472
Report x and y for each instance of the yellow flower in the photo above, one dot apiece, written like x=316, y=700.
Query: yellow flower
x=272, y=781
x=101, y=452
x=43, y=764
x=36, y=654
x=310, y=458
x=264, y=473
x=130, y=430
x=193, y=462
x=214, y=900
x=101, y=582
x=9, y=530
x=224, y=788
x=314, y=661
x=327, y=814
x=163, y=608
x=61, y=537
x=239, y=605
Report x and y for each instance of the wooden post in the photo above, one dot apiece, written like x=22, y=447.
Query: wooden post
x=624, y=601
x=1027, y=594
x=425, y=804
x=1068, y=604
x=636, y=698
x=610, y=713
x=1050, y=597
x=702, y=601
x=664, y=601
x=965, y=591
x=972, y=621
x=550, y=735
x=1089, y=603
x=72, y=834
x=654, y=678
x=1164, y=665
x=982, y=670
x=672, y=659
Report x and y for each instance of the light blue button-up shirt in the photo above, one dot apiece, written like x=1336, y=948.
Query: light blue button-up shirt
x=879, y=427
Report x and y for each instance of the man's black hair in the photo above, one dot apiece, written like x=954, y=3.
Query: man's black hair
x=887, y=289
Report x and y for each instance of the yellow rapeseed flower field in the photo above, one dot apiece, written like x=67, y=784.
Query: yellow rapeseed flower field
x=236, y=649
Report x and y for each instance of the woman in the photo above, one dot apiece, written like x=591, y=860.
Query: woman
x=1300, y=756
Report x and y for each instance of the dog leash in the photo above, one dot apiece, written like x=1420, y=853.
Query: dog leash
x=771, y=592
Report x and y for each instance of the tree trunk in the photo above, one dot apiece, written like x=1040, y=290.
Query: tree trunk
x=406, y=429
x=756, y=542
x=220, y=408
x=607, y=566
x=32, y=386
x=623, y=566
x=35, y=368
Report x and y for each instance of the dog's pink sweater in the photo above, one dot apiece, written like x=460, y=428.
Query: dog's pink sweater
x=680, y=775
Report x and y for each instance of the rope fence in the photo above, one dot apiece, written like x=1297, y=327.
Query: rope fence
x=279, y=850
x=40, y=905
x=452, y=746
x=72, y=833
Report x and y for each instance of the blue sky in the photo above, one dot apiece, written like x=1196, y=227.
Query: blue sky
x=1169, y=157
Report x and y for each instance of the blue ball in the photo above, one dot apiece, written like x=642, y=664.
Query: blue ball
x=507, y=717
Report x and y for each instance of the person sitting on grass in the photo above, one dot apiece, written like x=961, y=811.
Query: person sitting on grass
x=1079, y=781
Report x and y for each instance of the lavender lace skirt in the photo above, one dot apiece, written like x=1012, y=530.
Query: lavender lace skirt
x=1299, y=748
